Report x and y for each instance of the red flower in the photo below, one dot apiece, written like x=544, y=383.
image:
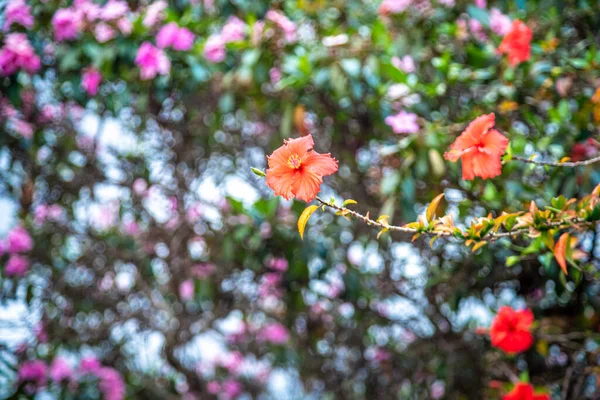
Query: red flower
x=296, y=170
x=517, y=43
x=480, y=148
x=524, y=391
x=511, y=330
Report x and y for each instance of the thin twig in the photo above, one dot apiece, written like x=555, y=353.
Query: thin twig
x=558, y=164
x=490, y=236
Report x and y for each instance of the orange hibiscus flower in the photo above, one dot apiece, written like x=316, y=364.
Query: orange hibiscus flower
x=296, y=170
x=524, y=391
x=517, y=43
x=480, y=148
x=511, y=330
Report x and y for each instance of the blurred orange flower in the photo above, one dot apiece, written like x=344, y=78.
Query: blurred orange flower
x=517, y=43
x=524, y=391
x=296, y=170
x=480, y=148
x=511, y=330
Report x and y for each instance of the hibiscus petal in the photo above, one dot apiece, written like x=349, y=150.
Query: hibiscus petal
x=321, y=164
x=494, y=142
x=300, y=146
x=280, y=157
x=475, y=130
x=486, y=165
x=306, y=185
x=468, y=166
x=281, y=179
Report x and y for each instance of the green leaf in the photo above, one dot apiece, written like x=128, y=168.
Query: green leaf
x=430, y=213
x=349, y=201
x=303, y=220
x=258, y=172
x=512, y=260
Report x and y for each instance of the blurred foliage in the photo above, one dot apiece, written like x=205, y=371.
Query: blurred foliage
x=367, y=317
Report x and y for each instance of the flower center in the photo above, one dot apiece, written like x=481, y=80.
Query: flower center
x=295, y=162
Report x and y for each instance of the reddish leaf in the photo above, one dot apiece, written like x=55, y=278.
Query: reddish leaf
x=560, y=251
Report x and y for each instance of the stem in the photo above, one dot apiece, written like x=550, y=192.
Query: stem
x=558, y=164
x=490, y=236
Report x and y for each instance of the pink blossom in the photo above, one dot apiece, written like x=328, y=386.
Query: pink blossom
x=16, y=266
x=232, y=389
x=234, y=30
x=114, y=9
x=274, y=75
x=19, y=241
x=447, y=3
x=194, y=213
x=209, y=5
x=17, y=12
x=203, y=271
x=111, y=383
x=500, y=24
x=405, y=64
x=40, y=333
x=131, y=228
x=90, y=80
x=403, y=122
x=51, y=112
x=393, y=6
x=284, y=23
x=33, y=371
x=21, y=127
x=480, y=3
x=233, y=362
x=154, y=13
x=89, y=10
x=125, y=25
x=382, y=355
x=60, y=370
x=438, y=390
x=214, y=49
x=16, y=54
x=274, y=333
x=279, y=264
x=268, y=285
x=152, y=61
x=213, y=387
x=171, y=35
x=7, y=110
x=257, y=31
x=43, y=212
x=67, y=23
x=104, y=32
x=477, y=30
x=140, y=186
x=167, y=35
x=186, y=290
x=89, y=365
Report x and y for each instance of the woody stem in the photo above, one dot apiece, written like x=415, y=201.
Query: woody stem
x=558, y=164
x=490, y=236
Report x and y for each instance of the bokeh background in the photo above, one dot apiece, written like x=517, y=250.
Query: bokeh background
x=158, y=253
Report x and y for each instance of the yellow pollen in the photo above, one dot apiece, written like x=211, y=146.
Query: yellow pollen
x=294, y=161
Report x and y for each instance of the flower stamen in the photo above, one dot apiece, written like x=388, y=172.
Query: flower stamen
x=294, y=162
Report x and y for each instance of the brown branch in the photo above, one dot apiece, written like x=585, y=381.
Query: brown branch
x=557, y=164
x=490, y=236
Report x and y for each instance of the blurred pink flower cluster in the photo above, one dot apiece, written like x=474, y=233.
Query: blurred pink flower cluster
x=17, y=12
x=233, y=31
x=18, y=54
x=17, y=242
x=103, y=21
x=171, y=35
x=35, y=374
